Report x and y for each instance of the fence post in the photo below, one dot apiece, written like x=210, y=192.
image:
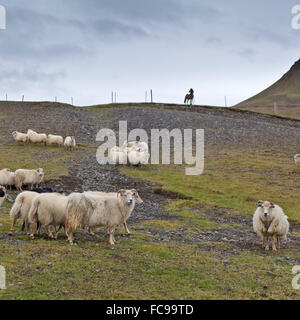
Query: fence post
x=72, y=101
x=151, y=96
x=115, y=97
x=6, y=97
x=55, y=99
x=23, y=98
x=225, y=102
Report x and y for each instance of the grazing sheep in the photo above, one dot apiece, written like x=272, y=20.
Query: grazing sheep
x=35, y=137
x=3, y=195
x=297, y=159
x=269, y=220
x=21, y=208
x=70, y=142
x=20, y=137
x=28, y=177
x=113, y=194
x=47, y=210
x=7, y=178
x=89, y=210
x=118, y=155
x=55, y=140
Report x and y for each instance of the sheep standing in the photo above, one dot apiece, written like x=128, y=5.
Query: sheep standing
x=137, y=157
x=88, y=210
x=269, y=221
x=28, y=177
x=35, y=137
x=297, y=159
x=55, y=140
x=7, y=178
x=115, y=195
x=47, y=210
x=70, y=142
x=20, y=137
x=21, y=208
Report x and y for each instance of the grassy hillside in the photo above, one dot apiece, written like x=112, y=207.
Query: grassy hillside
x=286, y=92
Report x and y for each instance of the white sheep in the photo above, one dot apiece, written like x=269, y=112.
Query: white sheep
x=137, y=157
x=70, y=142
x=28, y=177
x=35, y=137
x=269, y=221
x=21, y=208
x=47, y=210
x=112, y=194
x=297, y=159
x=118, y=155
x=7, y=178
x=89, y=210
x=20, y=137
x=55, y=140
x=141, y=146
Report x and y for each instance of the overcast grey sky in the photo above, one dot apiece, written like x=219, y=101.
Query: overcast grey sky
x=88, y=48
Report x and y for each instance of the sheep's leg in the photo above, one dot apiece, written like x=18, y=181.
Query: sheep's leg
x=111, y=236
x=126, y=228
x=278, y=243
x=50, y=234
x=90, y=231
x=27, y=228
x=274, y=238
x=33, y=230
x=57, y=232
x=11, y=232
x=263, y=241
x=69, y=233
x=267, y=248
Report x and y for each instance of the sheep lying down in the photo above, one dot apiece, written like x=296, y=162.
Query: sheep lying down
x=269, y=221
x=89, y=210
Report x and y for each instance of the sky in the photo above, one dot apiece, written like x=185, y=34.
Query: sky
x=86, y=49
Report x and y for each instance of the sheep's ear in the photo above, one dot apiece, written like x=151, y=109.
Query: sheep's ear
x=122, y=192
x=259, y=203
x=137, y=196
x=272, y=205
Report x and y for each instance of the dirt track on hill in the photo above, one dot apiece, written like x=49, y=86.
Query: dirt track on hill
x=224, y=129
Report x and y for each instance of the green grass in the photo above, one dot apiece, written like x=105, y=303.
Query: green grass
x=235, y=180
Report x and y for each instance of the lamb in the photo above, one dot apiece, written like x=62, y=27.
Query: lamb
x=118, y=155
x=297, y=159
x=55, y=140
x=28, y=177
x=269, y=220
x=89, y=210
x=70, y=142
x=3, y=195
x=35, y=137
x=20, y=137
x=7, y=178
x=46, y=210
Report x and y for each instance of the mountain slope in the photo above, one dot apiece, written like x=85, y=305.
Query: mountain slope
x=285, y=92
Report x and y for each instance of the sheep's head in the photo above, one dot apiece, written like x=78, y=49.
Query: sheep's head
x=40, y=172
x=265, y=208
x=14, y=133
x=127, y=197
x=136, y=196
